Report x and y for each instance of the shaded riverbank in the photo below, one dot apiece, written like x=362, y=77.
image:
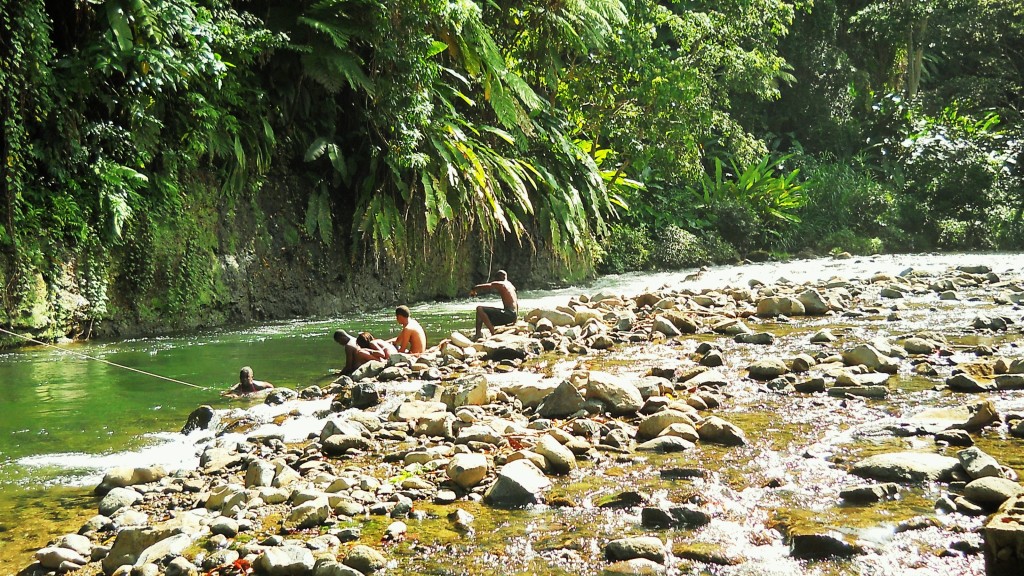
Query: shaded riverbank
x=765, y=481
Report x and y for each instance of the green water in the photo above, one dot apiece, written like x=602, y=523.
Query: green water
x=65, y=418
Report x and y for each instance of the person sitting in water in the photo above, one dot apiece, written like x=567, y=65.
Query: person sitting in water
x=412, y=339
x=247, y=384
x=490, y=316
x=378, y=349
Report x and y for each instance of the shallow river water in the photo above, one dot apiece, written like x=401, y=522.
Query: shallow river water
x=64, y=419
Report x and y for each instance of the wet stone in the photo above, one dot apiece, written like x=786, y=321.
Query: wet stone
x=869, y=493
x=818, y=546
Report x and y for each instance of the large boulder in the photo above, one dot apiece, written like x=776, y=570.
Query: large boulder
x=970, y=417
x=469, y=391
x=718, y=431
x=978, y=464
x=780, y=306
x=907, y=467
x=559, y=458
x=200, y=419
x=990, y=492
x=122, y=477
x=530, y=393
x=117, y=499
x=520, y=483
x=566, y=400
x=131, y=542
x=285, y=560
x=870, y=357
x=621, y=397
x=467, y=470
x=1004, y=539
x=654, y=424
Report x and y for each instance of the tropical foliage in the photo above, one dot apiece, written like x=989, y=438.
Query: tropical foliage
x=626, y=133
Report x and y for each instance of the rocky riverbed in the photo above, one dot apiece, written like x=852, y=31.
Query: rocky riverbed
x=853, y=426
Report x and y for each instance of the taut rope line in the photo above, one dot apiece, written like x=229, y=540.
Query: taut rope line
x=115, y=364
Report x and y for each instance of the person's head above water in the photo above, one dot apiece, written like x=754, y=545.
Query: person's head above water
x=245, y=375
x=501, y=275
x=342, y=337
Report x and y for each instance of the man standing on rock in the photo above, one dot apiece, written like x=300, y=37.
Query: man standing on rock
x=490, y=316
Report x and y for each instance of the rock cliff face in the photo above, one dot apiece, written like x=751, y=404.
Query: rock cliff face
x=235, y=262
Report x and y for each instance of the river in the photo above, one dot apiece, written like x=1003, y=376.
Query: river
x=65, y=418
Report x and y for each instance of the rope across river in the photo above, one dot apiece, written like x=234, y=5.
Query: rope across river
x=108, y=362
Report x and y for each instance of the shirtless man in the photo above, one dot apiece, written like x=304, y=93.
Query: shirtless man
x=412, y=339
x=247, y=385
x=490, y=316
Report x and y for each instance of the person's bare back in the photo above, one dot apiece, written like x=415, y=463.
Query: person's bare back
x=412, y=339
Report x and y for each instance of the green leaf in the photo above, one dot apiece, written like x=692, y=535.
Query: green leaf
x=120, y=26
x=316, y=149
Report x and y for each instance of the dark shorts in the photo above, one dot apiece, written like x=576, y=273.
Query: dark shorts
x=500, y=316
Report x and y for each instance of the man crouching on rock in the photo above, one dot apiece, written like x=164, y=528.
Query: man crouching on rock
x=490, y=316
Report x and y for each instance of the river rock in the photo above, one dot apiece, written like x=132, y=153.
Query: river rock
x=122, y=477
x=368, y=370
x=814, y=304
x=1010, y=382
x=964, y=383
x=828, y=545
x=767, y=368
x=681, y=430
x=200, y=419
x=279, y=396
x=652, y=425
x=954, y=437
x=862, y=391
x=560, y=459
x=530, y=393
x=634, y=567
x=823, y=336
x=647, y=547
x=991, y=491
x=780, y=306
x=309, y=514
x=870, y=357
x=467, y=470
x=685, y=323
x=117, y=499
x=168, y=547
x=519, y=483
x=760, y=338
x=340, y=444
x=848, y=378
x=971, y=417
x=978, y=464
x=259, y=473
x=469, y=391
x=907, y=467
x=412, y=410
x=556, y=317
x=716, y=430
x=869, y=493
x=180, y=566
x=131, y=542
x=621, y=397
x=365, y=559
x=287, y=560
x=53, y=557
x=365, y=395
x=665, y=444
x=915, y=345
x=564, y=401
x=509, y=347
x=674, y=517
x=438, y=425
x=707, y=378
x=1004, y=539
x=665, y=326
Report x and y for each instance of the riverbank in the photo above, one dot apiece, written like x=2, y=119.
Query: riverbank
x=727, y=455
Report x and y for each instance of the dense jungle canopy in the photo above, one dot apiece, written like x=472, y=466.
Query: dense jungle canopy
x=159, y=153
